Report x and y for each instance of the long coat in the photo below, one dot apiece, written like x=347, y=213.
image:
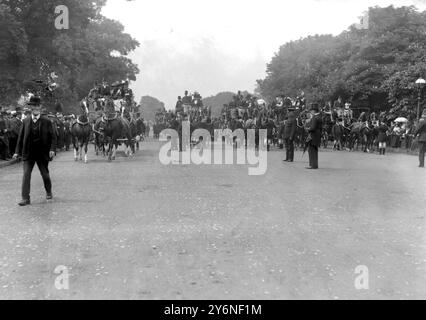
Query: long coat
x=315, y=130
x=421, y=131
x=47, y=137
x=290, y=127
x=382, y=137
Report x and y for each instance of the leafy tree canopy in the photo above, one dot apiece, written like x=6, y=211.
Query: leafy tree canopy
x=92, y=49
x=375, y=67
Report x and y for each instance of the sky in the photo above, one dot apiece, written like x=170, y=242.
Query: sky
x=212, y=46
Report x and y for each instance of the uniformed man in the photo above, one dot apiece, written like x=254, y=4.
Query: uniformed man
x=314, y=140
x=421, y=132
x=289, y=135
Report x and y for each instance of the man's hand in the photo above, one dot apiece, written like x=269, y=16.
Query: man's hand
x=52, y=154
x=15, y=156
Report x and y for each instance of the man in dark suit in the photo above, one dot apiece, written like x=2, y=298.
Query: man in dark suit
x=36, y=144
x=289, y=134
x=315, y=131
x=421, y=132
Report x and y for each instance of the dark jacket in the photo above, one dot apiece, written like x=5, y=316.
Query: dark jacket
x=290, y=127
x=3, y=125
x=382, y=129
x=47, y=139
x=315, y=130
x=421, y=131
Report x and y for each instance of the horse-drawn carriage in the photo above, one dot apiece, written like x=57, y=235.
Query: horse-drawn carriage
x=112, y=118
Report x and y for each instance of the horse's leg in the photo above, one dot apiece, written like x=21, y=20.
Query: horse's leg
x=96, y=146
x=132, y=144
x=75, y=145
x=86, y=147
x=110, y=146
x=114, y=145
x=115, y=148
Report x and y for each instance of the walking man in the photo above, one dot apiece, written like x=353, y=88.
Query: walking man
x=36, y=144
x=421, y=132
x=315, y=131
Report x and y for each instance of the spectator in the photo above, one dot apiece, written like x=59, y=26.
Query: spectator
x=421, y=132
x=382, y=137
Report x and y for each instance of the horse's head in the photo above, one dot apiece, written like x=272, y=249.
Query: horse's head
x=83, y=119
x=84, y=106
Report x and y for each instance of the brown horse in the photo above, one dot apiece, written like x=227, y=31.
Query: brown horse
x=81, y=132
x=112, y=130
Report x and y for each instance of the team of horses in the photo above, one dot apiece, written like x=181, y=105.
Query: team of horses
x=352, y=134
x=108, y=130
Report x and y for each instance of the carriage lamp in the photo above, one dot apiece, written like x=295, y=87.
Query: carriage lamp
x=420, y=83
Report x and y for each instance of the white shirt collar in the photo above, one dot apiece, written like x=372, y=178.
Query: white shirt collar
x=35, y=118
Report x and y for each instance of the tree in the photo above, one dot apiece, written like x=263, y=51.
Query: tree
x=150, y=106
x=216, y=102
x=92, y=49
x=375, y=67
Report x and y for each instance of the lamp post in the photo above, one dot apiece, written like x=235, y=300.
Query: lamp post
x=420, y=83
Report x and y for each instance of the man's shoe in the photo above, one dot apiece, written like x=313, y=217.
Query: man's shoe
x=420, y=166
x=49, y=196
x=24, y=202
x=311, y=168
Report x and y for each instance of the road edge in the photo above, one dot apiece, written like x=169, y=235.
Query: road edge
x=8, y=163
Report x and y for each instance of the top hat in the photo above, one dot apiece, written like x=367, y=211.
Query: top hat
x=34, y=101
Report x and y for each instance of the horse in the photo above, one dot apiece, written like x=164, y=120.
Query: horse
x=327, y=128
x=81, y=133
x=140, y=131
x=369, y=134
x=99, y=139
x=301, y=132
x=112, y=129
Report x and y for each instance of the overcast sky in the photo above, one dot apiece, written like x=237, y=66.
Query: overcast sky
x=223, y=45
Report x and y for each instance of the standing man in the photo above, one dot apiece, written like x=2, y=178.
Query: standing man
x=289, y=134
x=179, y=106
x=421, y=132
x=36, y=144
x=315, y=130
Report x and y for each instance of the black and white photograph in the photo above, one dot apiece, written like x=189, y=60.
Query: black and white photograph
x=197, y=151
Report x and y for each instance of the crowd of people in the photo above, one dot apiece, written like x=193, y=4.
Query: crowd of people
x=344, y=126
x=103, y=99
x=11, y=122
